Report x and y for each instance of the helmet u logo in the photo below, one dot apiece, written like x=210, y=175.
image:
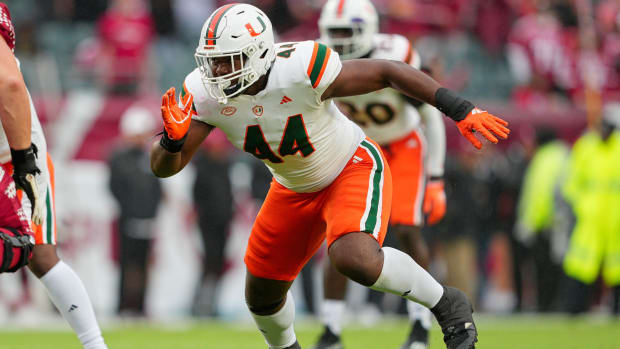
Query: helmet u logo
x=250, y=29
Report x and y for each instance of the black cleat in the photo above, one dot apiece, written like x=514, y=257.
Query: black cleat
x=328, y=340
x=418, y=337
x=454, y=314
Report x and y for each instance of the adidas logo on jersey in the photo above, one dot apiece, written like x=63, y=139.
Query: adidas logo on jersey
x=72, y=308
x=285, y=99
x=356, y=159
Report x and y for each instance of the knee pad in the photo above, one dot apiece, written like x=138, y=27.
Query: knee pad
x=15, y=249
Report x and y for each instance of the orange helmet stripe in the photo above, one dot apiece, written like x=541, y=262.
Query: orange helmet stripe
x=340, y=7
x=215, y=21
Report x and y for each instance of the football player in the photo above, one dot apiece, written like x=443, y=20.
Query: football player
x=23, y=152
x=412, y=136
x=275, y=101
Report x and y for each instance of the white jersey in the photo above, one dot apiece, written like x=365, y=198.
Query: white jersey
x=385, y=115
x=305, y=142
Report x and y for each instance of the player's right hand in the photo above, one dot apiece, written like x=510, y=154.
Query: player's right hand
x=25, y=171
x=176, y=120
x=485, y=123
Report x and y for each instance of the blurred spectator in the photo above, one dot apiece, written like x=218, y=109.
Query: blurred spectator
x=125, y=33
x=539, y=59
x=535, y=219
x=493, y=19
x=608, y=27
x=138, y=194
x=593, y=189
x=164, y=20
x=422, y=17
x=213, y=200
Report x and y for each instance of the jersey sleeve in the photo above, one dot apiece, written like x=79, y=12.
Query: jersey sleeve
x=194, y=89
x=322, y=66
x=6, y=26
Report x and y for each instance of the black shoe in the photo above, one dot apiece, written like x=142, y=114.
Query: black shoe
x=418, y=337
x=328, y=340
x=454, y=314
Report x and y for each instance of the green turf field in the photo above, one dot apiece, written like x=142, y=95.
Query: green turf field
x=494, y=332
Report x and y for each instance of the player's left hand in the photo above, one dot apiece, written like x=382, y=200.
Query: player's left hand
x=434, y=201
x=485, y=123
x=25, y=171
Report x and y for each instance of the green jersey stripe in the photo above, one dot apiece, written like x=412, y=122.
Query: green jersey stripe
x=377, y=176
x=50, y=224
x=318, y=64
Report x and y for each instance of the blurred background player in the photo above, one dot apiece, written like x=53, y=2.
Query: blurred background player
x=64, y=287
x=414, y=151
x=138, y=194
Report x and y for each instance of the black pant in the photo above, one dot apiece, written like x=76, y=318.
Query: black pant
x=214, y=233
x=133, y=268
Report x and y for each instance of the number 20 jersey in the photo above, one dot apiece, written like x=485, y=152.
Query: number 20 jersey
x=385, y=115
x=305, y=142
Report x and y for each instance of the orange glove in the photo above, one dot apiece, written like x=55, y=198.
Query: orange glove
x=176, y=120
x=434, y=202
x=483, y=122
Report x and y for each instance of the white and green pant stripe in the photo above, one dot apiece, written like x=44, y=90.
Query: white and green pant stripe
x=371, y=220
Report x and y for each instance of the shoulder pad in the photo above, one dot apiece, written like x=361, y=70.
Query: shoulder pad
x=393, y=46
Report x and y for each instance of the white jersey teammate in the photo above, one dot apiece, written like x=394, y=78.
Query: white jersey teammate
x=412, y=136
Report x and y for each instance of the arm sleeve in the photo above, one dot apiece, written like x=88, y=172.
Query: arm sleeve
x=322, y=67
x=6, y=26
x=435, y=132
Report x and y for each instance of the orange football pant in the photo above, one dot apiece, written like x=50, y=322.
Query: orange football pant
x=406, y=160
x=291, y=226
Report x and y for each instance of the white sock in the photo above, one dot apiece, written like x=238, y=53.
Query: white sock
x=278, y=328
x=418, y=312
x=331, y=314
x=401, y=275
x=68, y=294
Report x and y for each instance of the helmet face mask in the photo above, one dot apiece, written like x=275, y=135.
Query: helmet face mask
x=344, y=41
x=240, y=74
x=349, y=27
x=239, y=37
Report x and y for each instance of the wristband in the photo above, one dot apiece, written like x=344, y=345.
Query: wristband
x=170, y=144
x=449, y=103
x=25, y=159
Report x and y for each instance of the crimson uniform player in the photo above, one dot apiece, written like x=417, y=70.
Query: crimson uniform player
x=23, y=152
